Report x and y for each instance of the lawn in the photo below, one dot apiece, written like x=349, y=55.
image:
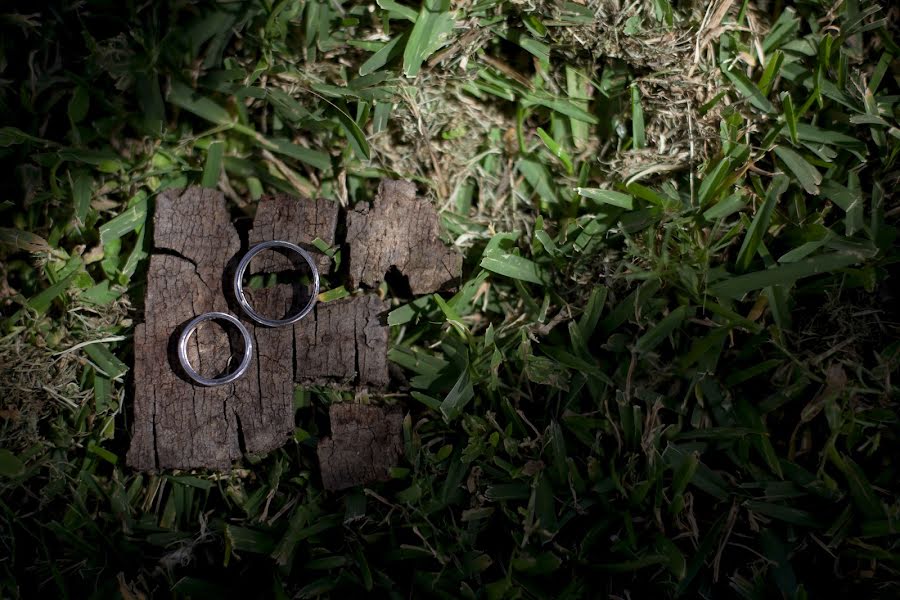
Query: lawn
x=671, y=368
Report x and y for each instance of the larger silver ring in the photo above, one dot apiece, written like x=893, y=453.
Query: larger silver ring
x=191, y=327
x=239, y=283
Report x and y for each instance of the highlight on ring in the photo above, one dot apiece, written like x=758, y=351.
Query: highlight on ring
x=242, y=269
x=189, y=330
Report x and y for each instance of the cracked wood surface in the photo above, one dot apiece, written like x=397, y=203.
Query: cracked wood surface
x=400, y=231
x=281, y=216
x=365, y=443
x=345, y=343
x=178, y=424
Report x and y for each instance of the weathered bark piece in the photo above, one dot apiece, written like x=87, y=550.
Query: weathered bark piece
x=402, y=231
x=344, y=342
x=365, y=443
x=283, y=217
x=178, y=424
x=268, y=423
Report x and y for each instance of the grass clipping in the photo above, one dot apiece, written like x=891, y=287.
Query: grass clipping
x=42, y=391
x=440, y=128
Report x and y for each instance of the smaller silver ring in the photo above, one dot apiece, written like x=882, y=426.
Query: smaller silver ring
x=191, y=327
x=239, y=283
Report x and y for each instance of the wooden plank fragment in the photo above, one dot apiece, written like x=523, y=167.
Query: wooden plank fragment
x=178, y=424
x=279, y=217
x=365, y=443
x=400, y=231
x=283, y=217
x=345, y=343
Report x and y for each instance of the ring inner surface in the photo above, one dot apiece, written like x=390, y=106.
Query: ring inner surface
x=214, y=348
x=278, y=283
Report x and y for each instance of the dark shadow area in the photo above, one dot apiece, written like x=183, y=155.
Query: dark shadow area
x=242, y=444
x=243, y=224
x=341, y=274
x=398, y=283
x=321, y=420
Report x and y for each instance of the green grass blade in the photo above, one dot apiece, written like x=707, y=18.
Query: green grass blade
x=637, y=120
x=563, y=107
x=16, y=239
x=510, y=265
x=42, y=301
x=10, y=464
x=787, y=104
x=538, y=177
x=725, y=208
x=773, y=66
x=354, y=133
x=82, y=187
x=458, y=397
x=314, y=158
x=788, y=514
x=126, y=222
x=430, y=32
x=190, y=100
x=396, y=10
x=749, y=90
x=105, y=360
x=575, y=87
x=212, y=170
x=659, y=332
x=587, y=323
x=713, y=179
x=787, y=274
x=387, y=53
x=760, y=224
x=808, y=176
x=607, y=197
x=861, y=491
x=557, y=150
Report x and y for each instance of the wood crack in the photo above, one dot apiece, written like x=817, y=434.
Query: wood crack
x=402, y=231
x=342, y=343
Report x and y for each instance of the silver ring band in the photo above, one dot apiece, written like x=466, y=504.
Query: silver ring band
x=191, y=327
x=242, y=269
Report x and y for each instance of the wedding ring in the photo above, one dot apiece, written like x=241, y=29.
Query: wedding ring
x=191, y=327
x=239, y=283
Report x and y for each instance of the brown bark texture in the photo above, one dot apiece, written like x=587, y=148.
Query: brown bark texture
x=365, y=443
x=400, y=231
x=178, y=424
x=195, y=247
